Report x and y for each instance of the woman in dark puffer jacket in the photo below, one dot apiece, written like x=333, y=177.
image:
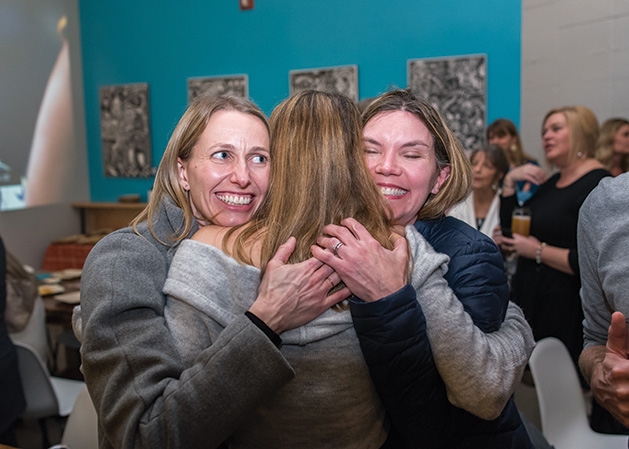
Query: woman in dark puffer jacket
x=467, y=403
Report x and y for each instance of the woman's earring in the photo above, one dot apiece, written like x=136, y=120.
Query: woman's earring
x=580, y=155
x=513, y=147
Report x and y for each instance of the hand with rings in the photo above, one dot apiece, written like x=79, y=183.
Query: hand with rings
x=336, y=247
x=369, y=270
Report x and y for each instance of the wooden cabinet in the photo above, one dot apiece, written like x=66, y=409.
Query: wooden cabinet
x=99, y=216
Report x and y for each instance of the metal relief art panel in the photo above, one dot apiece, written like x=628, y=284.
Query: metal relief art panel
x=340, y=79
x=237, y=85
x=125, y=130
x=457, y=87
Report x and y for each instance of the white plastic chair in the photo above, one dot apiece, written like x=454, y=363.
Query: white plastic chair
x=562, y=405
x=35, y=333
x=81, y=431
x=46, y=396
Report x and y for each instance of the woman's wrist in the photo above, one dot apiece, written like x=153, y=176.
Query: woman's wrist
x=538, y=253
x=508, y=185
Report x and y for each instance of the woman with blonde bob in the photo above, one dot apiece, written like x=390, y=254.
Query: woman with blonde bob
x=546, y=284
x=612, y=148
x=480, y=342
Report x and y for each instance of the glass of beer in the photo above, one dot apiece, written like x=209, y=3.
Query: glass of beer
x=521, y=221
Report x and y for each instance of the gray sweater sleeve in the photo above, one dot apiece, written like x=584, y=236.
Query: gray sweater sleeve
x=144, y=395
x=480, y=370
x=603, y=237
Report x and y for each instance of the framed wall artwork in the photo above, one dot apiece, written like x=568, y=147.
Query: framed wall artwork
x=125, y=130
x=237, y=85
x=457, y=87
x=340, y=79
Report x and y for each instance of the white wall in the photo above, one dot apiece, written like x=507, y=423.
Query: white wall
x=27, y=232
x=573, y=52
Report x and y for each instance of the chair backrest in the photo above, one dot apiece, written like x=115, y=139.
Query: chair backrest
x=81, y=431
x=34, y=333
x=561, y=402
x=41, y=399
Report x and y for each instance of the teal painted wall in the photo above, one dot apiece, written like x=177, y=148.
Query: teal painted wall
x=163, y=43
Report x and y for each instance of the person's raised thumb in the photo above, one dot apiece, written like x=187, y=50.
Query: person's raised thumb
x=617, y=335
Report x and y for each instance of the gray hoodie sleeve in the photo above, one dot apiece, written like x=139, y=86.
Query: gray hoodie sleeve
x=480, y=370
x=143, y=392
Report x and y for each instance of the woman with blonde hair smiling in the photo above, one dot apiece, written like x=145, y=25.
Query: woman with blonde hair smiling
x=215, y=170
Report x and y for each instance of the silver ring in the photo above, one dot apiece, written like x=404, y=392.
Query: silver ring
x=336, y=248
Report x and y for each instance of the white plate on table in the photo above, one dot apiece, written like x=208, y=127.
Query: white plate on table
x=69, y=298
x=50, y=289
x=68, y=273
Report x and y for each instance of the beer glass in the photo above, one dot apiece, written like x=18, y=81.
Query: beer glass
x=521, y=221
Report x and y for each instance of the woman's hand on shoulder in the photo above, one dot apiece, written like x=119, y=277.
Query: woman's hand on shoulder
x=369, y=270
x=291, y=295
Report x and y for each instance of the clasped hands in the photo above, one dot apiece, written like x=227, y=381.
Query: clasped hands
x=291, y=295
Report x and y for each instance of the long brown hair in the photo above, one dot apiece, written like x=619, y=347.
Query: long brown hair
x=182, y=141
x=318, y=176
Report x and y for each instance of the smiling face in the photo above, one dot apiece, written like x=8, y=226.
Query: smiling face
x=621, y=141
x=227, y=174
x=401, y=157
x=556, y=139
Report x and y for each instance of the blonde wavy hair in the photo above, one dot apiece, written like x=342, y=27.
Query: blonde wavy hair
x=181, y=144
x=318, y=176
x=448, y=149
x=605, y=143
x=582, y=127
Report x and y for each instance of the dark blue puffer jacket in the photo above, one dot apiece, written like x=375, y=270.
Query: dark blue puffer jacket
x=392, y=335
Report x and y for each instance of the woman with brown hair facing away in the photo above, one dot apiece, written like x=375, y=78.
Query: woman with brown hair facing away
x=323, y=395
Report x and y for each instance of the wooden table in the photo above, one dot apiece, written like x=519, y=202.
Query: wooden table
x=112, y=216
